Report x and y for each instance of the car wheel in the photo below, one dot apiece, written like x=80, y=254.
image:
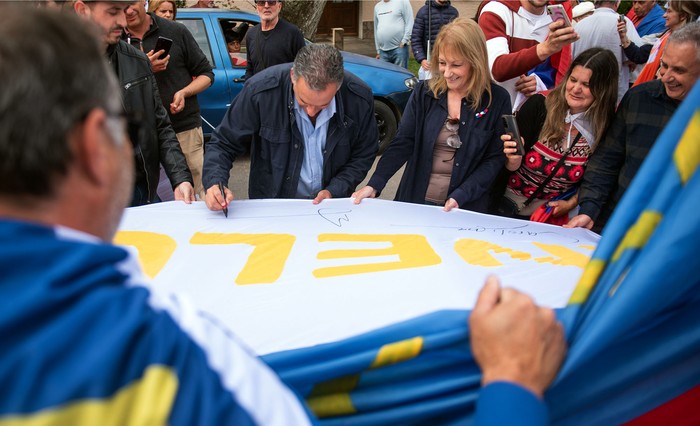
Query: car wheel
x=386, y=124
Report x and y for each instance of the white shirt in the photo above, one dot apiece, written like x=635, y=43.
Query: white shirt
x=600, y=30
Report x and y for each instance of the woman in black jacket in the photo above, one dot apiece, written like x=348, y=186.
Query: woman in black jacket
x=449, y=133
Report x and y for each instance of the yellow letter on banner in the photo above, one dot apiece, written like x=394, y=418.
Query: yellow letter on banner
x=154, y=249
x=476, y=252
x=267, y=260
x=413, y=251
x=562, y=256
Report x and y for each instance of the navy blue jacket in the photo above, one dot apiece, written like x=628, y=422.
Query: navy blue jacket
x=262, y=117
x=476, y=163
x=424, y=27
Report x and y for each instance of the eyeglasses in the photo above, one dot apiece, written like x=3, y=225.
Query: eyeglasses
x=134, y=127
x=452, y=125
x=269, y=2
x=118, y=122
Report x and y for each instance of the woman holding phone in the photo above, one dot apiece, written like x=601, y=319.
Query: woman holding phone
x=678, y=13
x=449, y=133
x=559, y=132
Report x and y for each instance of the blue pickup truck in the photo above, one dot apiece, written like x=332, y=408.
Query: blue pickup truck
x=390, y=84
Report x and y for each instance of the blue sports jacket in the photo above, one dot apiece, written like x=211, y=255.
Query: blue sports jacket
x=85, y=343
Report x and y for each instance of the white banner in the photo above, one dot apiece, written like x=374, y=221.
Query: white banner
x=286, y=274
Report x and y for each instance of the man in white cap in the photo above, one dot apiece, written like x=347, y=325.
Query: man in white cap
x=582, y=10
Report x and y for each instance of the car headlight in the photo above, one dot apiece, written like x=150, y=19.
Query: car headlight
x=411, y=82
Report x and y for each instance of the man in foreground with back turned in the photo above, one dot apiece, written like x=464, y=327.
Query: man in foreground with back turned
x=84, y=340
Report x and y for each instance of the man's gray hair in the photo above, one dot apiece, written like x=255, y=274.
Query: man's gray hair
x=54, y=73
x=689, y=33
x=320, y=65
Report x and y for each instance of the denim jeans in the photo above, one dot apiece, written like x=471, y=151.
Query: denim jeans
x=398, y=56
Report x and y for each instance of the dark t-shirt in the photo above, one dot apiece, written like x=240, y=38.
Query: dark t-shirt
x=277, y=46
x=186, y=61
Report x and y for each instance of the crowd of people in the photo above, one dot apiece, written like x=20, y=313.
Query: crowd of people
x=109, y=108
x=580, y=151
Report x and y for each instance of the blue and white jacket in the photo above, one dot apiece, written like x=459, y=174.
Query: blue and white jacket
x=84, y=342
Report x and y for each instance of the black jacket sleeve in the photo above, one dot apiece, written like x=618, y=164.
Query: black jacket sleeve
x=230, y=139
x=638, y=54
x=417, y=34
x=530, y=118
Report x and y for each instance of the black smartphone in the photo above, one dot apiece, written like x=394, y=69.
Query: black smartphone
x=622, y=18
x=511, y=127
x=163, y=43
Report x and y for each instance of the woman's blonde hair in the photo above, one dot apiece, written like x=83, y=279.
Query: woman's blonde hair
x=689, y=10
x=603, y=86
x=153, y=5
x=464, y=38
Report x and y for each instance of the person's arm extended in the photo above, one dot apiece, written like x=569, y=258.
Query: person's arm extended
x=198, y=85
x=170, y=153
x=504, y=64
x=363, y=152
x=637, y=54
x=519, y=347
x=199, y=67
x=230, y=139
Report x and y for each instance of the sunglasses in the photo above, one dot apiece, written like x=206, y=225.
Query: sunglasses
x=269, y=3
x=452, y=125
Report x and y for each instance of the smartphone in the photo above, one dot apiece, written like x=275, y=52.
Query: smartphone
x=556, y=11
x=511, y=127
x=163, y=43
x=622, y=18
